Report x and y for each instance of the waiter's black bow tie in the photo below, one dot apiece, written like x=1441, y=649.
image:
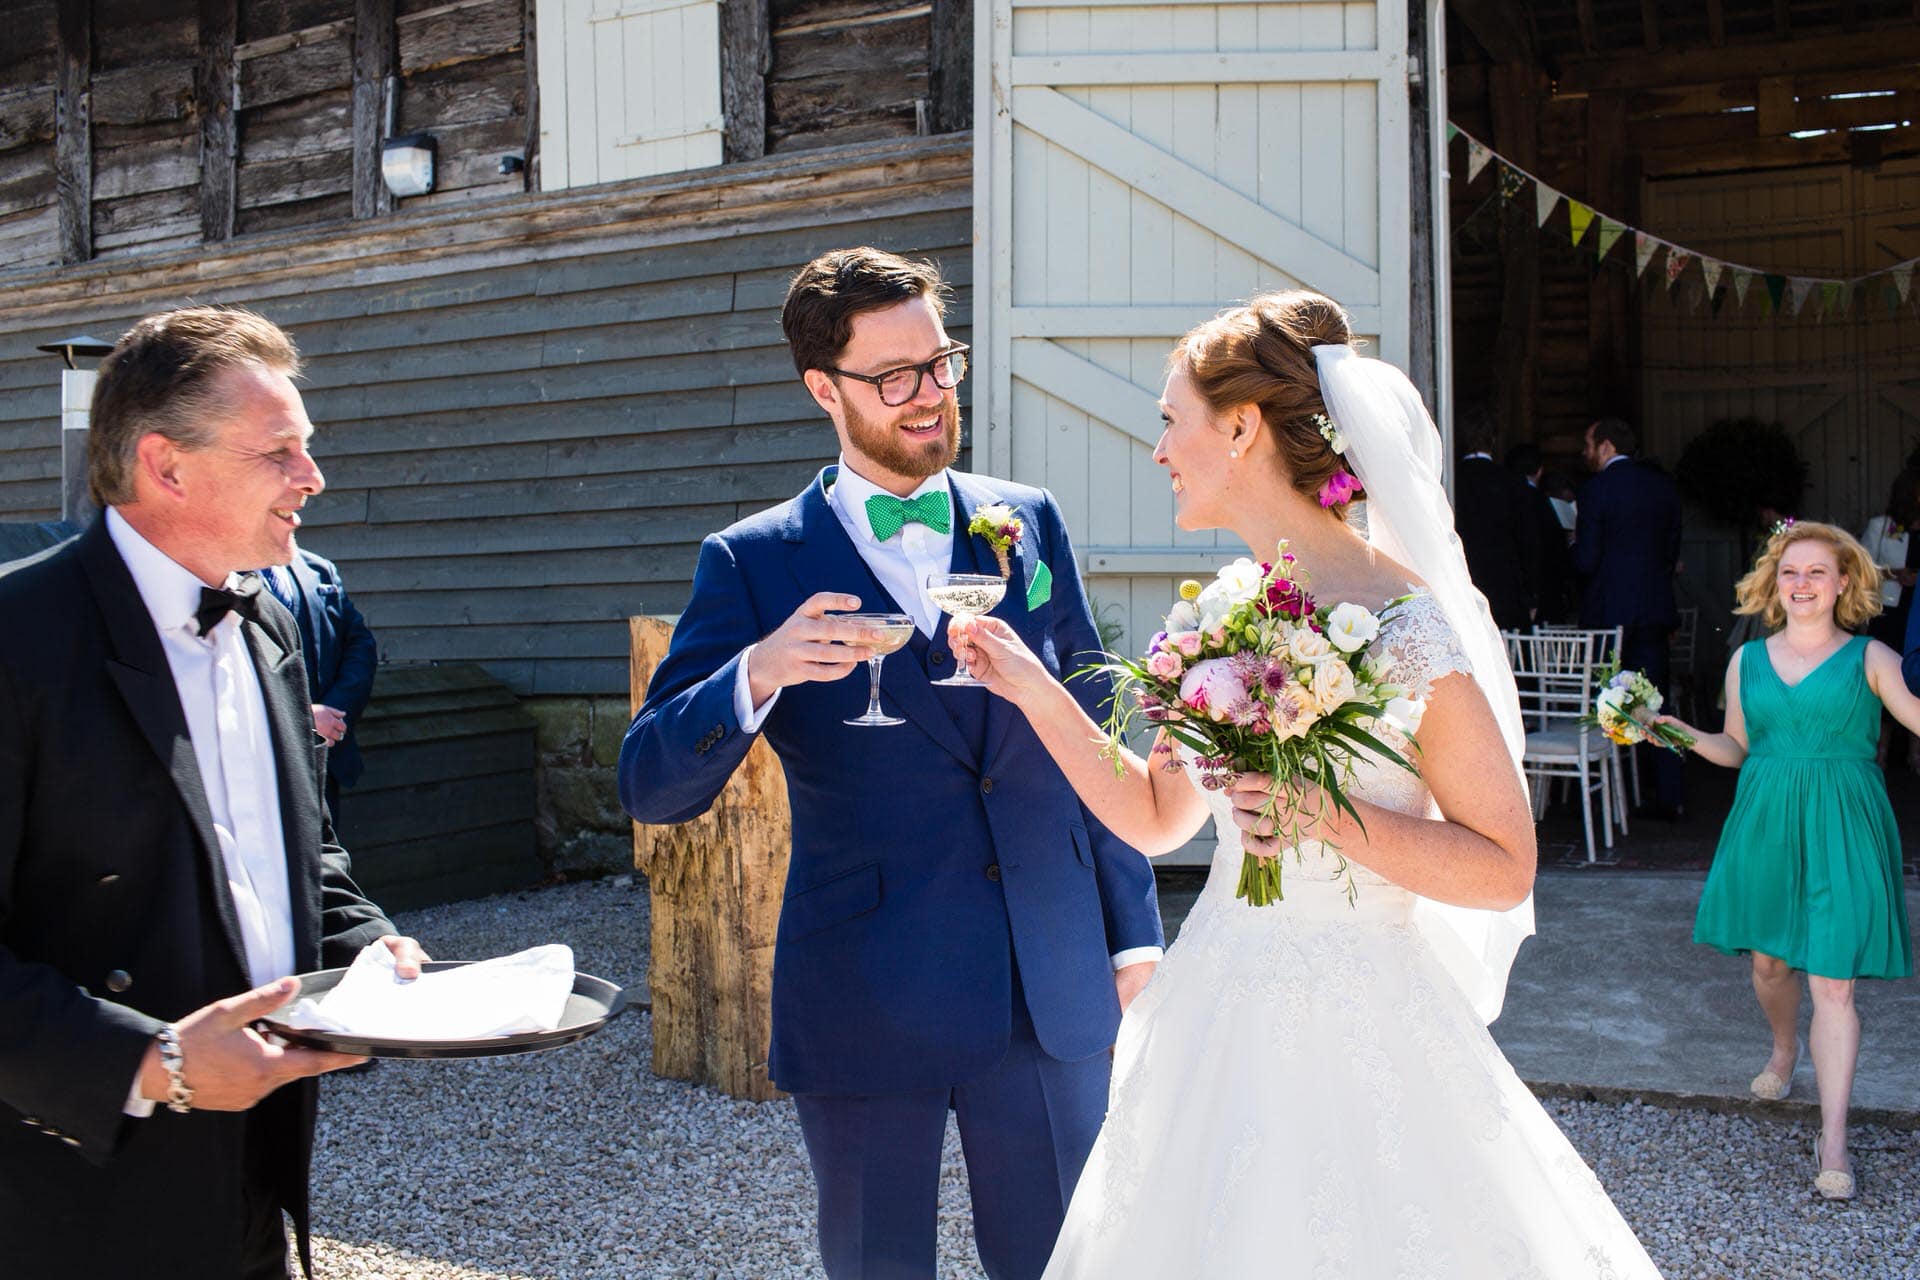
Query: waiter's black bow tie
x=217, y=602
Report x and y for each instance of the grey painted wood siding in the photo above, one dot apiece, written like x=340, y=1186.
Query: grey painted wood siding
x=528, y=417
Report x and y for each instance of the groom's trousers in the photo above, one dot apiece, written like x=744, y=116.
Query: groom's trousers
x=1026, y=1127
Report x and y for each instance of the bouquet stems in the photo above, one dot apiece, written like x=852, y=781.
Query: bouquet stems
x=1259, y=880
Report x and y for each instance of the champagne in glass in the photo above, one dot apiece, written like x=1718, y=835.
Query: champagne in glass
x=965, y=595
x=897, y=629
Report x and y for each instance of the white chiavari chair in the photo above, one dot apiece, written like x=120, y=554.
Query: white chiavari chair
x=1554, y=671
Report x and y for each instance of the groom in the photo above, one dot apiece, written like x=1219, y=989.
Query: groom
x=957, y=932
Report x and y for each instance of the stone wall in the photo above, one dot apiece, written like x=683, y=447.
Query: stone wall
x=582, y=830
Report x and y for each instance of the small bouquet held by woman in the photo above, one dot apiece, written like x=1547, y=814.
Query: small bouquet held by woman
x=1627, y=709
x=1252, y=676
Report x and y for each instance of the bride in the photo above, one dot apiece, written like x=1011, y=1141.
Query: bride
x=1309, y=1089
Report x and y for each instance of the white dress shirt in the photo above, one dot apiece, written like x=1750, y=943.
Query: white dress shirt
x=233, y=746
x=901, y=563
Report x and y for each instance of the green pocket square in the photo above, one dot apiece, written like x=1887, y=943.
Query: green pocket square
x=1040, y=590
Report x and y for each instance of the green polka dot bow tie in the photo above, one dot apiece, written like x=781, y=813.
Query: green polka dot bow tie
x=888, y=515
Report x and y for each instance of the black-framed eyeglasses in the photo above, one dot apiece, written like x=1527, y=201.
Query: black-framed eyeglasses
x=898, y=386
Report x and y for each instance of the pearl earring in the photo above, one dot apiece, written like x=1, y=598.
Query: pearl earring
x=1233, y=453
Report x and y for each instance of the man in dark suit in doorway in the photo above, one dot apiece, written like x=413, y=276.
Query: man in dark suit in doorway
x=165, y=860
x=1553, y=569
x=1495, y=524
x=1626, y=548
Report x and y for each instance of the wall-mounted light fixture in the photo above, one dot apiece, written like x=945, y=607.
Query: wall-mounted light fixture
x=406, y=164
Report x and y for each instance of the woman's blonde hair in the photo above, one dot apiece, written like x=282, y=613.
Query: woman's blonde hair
x=1262, y=354
x=1759, y=591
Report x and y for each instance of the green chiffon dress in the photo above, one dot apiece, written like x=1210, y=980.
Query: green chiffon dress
x=1808, y=867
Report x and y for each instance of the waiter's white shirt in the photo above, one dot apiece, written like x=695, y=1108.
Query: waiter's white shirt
x=227, y=720
x=902, y=564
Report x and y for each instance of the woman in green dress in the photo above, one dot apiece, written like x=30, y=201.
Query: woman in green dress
x=1808, y=872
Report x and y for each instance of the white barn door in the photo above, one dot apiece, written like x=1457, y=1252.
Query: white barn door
x=1143, y=166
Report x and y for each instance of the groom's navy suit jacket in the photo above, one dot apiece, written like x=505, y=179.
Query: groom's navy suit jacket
x=928, y=858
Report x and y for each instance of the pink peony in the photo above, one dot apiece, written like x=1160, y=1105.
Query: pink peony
x=1212, y=688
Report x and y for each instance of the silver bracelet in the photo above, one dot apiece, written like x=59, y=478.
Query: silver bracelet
x=179, y=1097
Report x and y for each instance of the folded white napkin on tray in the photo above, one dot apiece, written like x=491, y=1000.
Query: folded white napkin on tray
x=526, y=991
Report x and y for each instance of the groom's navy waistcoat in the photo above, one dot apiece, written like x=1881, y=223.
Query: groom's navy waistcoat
x=928, y=858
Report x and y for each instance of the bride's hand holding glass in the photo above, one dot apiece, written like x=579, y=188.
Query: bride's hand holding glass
x=999, y=658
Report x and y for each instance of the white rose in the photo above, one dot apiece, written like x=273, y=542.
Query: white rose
x=1332, y=686
x=1404, y=714
x=1233, y=586
x=1614, y=700
x=1351, y=628
x=1308, y=645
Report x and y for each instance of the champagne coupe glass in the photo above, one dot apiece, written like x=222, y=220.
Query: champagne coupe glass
x=898, y=628
x=965, y=595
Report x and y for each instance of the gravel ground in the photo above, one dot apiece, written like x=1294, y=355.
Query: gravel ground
x=579, y=1163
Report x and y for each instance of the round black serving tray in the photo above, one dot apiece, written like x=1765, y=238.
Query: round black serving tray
x=593, y=1004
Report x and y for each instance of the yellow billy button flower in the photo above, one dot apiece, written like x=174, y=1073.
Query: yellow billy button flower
x=1190, y=590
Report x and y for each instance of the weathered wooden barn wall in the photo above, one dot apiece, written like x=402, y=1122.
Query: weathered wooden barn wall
x=853, y=70
x=29, y=67
x=128, y=126
x=530, y=410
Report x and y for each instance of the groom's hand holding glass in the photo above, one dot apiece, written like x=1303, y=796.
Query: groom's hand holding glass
x=812, y=646
x=1000, y=660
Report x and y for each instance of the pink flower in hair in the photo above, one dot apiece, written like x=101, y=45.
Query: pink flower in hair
x=1339, y=488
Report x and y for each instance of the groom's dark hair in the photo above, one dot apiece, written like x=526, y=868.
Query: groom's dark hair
x=835, y=287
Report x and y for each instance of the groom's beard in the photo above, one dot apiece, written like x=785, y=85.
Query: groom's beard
x=885, y=445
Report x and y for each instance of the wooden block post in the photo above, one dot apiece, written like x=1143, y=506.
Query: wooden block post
x=716, y=884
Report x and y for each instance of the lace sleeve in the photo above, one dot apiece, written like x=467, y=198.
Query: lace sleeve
x=1423, y=647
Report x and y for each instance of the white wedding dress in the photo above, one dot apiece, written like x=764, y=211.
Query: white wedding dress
x=1302, y=1091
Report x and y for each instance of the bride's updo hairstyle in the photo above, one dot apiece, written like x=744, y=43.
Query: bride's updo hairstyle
x=1262, y=354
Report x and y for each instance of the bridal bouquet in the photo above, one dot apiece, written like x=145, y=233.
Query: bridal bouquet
x=1625, y=707
x=1252, y=676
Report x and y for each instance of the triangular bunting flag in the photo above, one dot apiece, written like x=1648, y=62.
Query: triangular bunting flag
x=1644, y=246
x=1544, y=200
x=1512, y=181
x=1478, y=155
x=1903, y=279
x=1579, y=217
x=1677, y=260
x=1453, y=131
x=1742, y=278
x=1711, y=269
x=1776, y=289
x=1610, y=233
x=1830, y=296
x=1801, y=288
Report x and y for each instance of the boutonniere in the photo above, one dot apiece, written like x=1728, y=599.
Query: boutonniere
x=1001, y=528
